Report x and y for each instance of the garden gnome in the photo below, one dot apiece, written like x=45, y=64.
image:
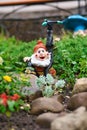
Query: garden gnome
x=40, y=58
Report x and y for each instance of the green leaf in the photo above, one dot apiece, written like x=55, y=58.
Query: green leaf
x=8, y=113
x=11, y=105
x=48, y=92
x=2, y=109
x=49, y=79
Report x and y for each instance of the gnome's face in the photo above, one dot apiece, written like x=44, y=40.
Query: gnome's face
x=41, y=54
x=41, y=57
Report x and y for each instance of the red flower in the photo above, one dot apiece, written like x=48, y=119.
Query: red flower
x=3, y=95
x=4, y=101
x=4, y=98
x=15, y=97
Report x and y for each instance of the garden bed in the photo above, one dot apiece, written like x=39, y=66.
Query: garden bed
x=69, y=66
x=19, y=121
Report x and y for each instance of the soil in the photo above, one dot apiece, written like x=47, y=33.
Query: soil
x=19, y=121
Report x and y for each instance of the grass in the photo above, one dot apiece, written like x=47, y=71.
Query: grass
x=70, y=58
x=13, y=51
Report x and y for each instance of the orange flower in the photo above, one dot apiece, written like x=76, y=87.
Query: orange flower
x=52, y=71
x=15, y=97
x=7, y=78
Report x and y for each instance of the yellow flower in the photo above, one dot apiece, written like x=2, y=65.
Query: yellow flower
x=7, y=78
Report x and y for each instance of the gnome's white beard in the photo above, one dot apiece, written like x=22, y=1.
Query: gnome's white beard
x=37, y=62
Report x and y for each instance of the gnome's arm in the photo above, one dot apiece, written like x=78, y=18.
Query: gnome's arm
x=26, y=59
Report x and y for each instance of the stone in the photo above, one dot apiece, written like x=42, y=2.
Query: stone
x=44, y=104
x=44, y=120
x=35, y=95
x=77, y=100
x=80, y=86
x=35, y=92
x=32, y=79
x=32, y=92
x=73, y=121
x=58, y=97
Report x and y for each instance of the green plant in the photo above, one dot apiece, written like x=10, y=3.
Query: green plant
x=45, y=84
x=48, y=86
x=12, y=52
x=10, y=103
x=70, y=58
x=59, y=85
x=13, y=84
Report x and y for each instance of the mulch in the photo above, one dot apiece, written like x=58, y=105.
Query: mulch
x=19, y=121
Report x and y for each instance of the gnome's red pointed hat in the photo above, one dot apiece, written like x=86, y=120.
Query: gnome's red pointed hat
x=39, y=45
